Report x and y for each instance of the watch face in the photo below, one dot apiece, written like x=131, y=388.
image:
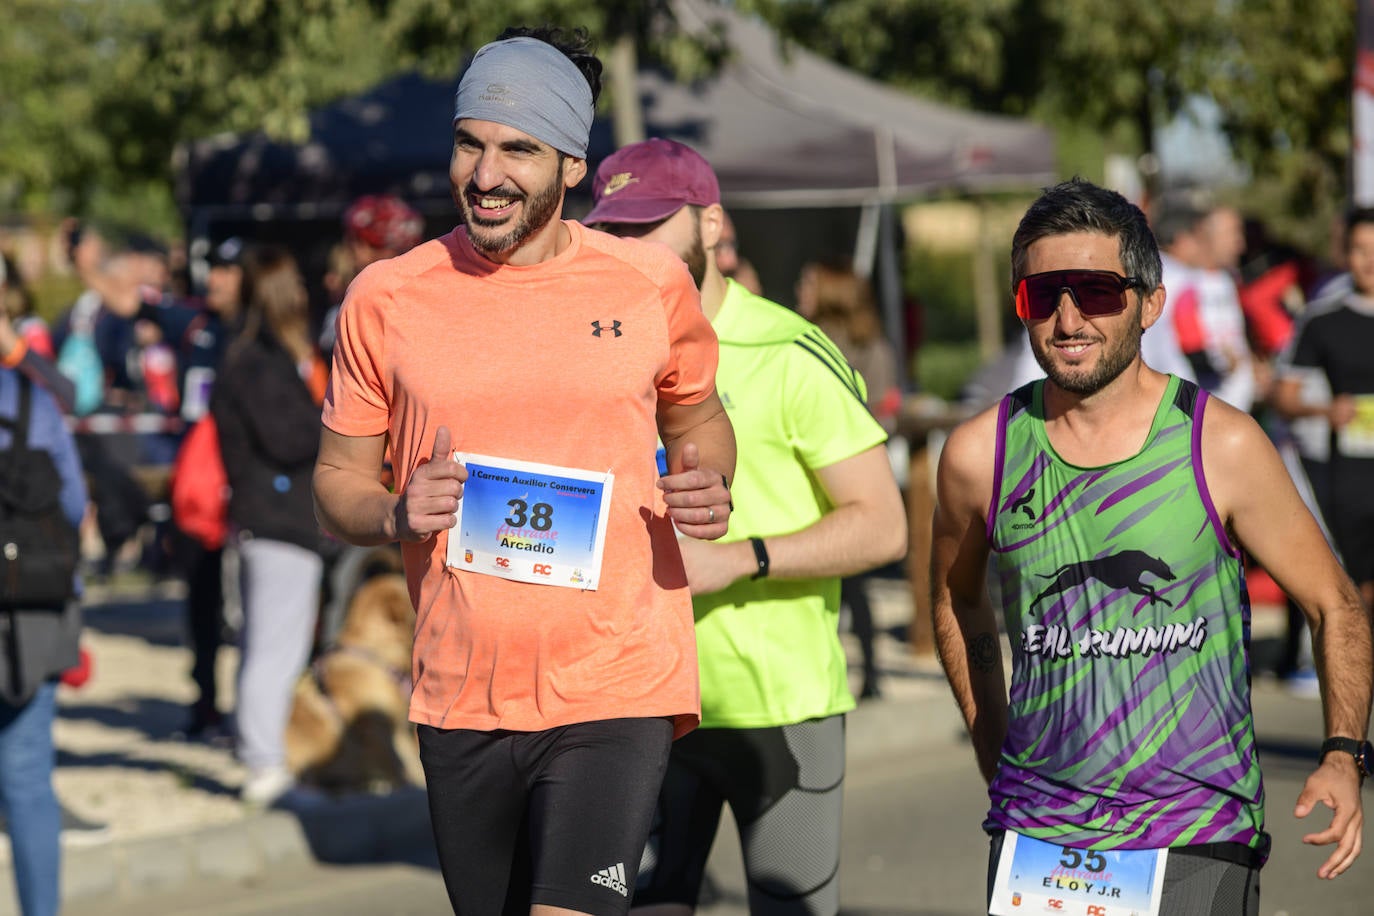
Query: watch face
x=1364, y=758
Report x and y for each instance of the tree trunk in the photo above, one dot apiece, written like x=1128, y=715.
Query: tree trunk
x=623, y=70
x=988, y=301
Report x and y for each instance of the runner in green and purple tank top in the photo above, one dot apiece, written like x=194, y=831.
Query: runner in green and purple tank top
x=1129, y=624
x=1115, y=504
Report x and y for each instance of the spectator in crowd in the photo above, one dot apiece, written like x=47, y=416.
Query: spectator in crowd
x=1175, y=227
x=18, y=310
x=266, y=402
x=1211, y=326
x=376, y=227
x=202, y=341
x=86, y=250
x=1274, y=278
x=1337, y=341
x=1332, y=275
x=198, y=548
x=36, y=646
x=815, y=501
x=153, y=366
x=25, y=344
x=840, y=303
x=1306, y=448
x=94, y=340
x=339, y=271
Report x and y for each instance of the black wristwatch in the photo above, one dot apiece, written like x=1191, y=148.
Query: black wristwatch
x=761, y=557
x=1362, y=751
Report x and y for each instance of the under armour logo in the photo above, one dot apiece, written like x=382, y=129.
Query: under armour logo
x=614, y=328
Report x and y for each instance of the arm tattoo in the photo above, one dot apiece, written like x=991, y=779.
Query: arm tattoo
x=982, y=652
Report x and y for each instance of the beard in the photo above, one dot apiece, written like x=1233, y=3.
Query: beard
x=695, y=255
x=538, y=208
x=1088, y=380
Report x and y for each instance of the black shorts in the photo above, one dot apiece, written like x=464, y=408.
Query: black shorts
x=557, y=817
x=784, y=786
x=1350, y=515
x=1220, y=879
x=1352, y=528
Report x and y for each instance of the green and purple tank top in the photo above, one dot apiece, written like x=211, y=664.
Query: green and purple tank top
x=1129, y=620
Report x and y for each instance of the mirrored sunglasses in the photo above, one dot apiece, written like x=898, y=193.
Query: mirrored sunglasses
x=1094, y=292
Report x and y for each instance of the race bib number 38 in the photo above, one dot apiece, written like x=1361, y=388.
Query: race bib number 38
x=1034, y=876
x=531, y=522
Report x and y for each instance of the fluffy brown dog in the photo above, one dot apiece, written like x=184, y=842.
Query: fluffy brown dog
x=349, y=729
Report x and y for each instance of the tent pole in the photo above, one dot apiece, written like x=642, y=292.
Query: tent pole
x=866, y=240
x=889, y=267
x=887, y=285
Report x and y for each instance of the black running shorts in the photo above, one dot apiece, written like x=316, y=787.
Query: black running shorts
x=557, y=817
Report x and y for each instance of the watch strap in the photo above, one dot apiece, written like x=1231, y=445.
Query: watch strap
x=1362, y=751
x=760, y=555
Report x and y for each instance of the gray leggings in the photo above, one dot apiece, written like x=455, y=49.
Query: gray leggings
x=1193, y=885
x=281, y=599
x=784, y=786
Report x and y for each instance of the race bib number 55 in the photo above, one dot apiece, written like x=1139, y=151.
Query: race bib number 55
x=530, y=522
x=1034, y=876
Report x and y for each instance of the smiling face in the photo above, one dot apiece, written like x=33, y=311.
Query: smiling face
x=509, y=188
x=1084, y=355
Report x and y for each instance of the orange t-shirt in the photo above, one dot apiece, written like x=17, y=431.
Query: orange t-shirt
x=510, y=360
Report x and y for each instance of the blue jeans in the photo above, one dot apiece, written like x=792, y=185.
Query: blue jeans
x=26, y=764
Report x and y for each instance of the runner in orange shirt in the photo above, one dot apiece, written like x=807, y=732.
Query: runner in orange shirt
x=521, y=368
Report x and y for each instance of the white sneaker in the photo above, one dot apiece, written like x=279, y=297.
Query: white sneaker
x=263, y=787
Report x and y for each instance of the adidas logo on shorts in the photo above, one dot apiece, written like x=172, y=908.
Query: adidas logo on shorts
x=614, y=878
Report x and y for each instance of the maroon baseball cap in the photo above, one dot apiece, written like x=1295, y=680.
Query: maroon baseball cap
x=650, y=181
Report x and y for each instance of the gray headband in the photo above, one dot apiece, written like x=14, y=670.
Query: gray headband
x=532, y=86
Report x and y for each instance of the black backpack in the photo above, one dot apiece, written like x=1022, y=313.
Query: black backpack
x=39, y=547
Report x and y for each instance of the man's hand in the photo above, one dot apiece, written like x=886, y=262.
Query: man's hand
x=712, y=567
x=698, y=500
x=1336, y=784
x=430, y=500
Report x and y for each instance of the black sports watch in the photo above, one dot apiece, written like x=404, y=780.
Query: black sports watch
x=1362, y=751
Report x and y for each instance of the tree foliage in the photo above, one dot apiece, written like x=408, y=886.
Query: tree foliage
x=96, y=94
x=1283, y=82
x=1279, y=70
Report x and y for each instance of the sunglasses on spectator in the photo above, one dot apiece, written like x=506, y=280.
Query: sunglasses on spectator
x=1094, y=292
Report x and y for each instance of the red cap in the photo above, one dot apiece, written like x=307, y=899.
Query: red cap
x=650, y=181
x=384, y=222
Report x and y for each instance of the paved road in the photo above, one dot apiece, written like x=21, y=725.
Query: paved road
x=912, y=847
